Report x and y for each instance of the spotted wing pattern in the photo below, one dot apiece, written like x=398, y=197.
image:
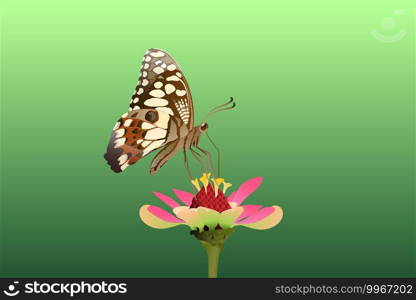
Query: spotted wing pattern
x=136, y=134
x=162, y=86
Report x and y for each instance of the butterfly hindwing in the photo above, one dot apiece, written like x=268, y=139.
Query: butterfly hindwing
x=136, y=134
x=162, y=86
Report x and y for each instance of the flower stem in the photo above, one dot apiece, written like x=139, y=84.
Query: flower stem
x=213, y=242
x=213, y=253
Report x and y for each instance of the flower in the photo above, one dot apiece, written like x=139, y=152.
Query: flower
x=211, y=215
x=209, y=209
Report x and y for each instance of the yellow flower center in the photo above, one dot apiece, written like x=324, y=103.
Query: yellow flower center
x=216, y=183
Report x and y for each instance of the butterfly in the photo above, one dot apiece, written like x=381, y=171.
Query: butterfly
x=160, y=116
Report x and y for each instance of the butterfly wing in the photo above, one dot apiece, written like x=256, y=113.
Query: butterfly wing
x=135, y=135
x=163, y=86
x=162, y=94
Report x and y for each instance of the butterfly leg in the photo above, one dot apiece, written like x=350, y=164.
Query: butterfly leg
x=198, y=158
x=188, y=171
x=217, y=149
x=208, y=155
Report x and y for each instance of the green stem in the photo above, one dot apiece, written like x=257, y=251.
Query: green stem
x=213, y=242
x=213, y=253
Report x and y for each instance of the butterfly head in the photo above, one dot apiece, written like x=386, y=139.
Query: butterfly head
x=203, y=127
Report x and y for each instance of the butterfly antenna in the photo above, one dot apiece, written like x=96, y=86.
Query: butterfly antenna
x=218, y=153
x=221, y=107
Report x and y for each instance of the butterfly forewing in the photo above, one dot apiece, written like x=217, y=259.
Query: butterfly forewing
x=162, y=86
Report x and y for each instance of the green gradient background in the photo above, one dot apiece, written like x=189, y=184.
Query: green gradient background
x=325, y=114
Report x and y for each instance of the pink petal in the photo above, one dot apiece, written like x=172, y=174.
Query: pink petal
x=260, y=215
x=261, y=221
x=246, y=189
x=166, y=199
x=185, y=197
x=163, y=214
x=231, y=197
x=248, y=211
